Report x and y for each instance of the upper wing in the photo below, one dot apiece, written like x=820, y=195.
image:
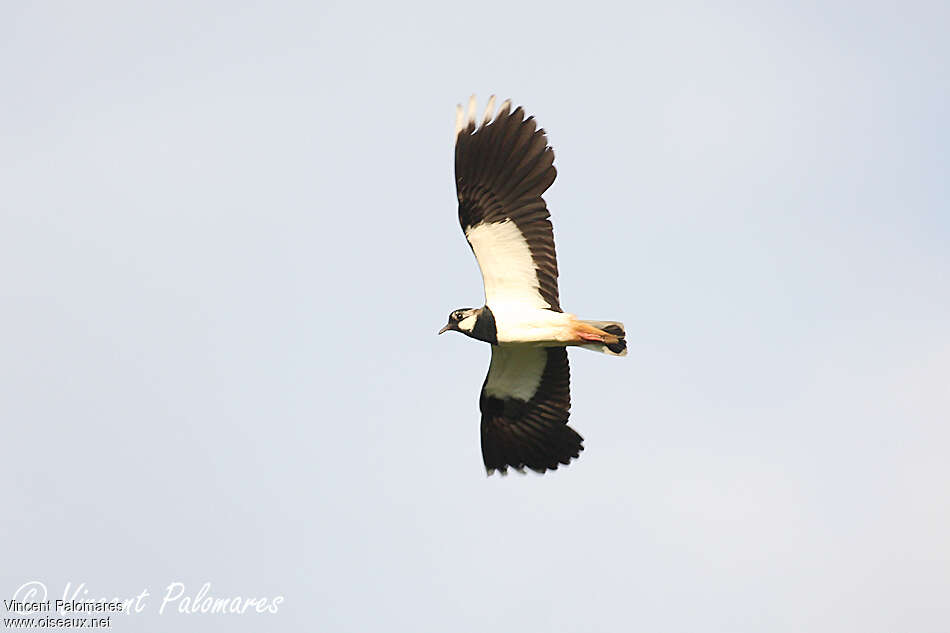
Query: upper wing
x=501, y=169
x=525, y=403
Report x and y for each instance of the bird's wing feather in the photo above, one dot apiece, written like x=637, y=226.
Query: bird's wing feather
x=502, y=168
x=525, y=405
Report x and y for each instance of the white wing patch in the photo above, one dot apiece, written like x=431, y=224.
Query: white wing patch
x=508, y=270
x=515, y=372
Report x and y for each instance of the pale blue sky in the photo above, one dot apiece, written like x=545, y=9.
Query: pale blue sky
x=228, y=237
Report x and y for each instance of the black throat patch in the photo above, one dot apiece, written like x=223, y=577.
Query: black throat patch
x=485, y=329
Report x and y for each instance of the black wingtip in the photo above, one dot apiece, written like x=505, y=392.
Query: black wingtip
x=543, y=448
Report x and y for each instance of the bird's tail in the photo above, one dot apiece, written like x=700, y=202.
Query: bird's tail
x=615, y=339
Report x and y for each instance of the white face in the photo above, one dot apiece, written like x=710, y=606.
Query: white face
x=468, y=323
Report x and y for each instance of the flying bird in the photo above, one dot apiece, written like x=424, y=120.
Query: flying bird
x=503, y=165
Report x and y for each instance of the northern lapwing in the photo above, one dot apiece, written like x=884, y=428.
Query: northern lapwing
x=502, y=167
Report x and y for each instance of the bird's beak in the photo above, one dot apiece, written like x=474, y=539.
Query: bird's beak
x=445, y=329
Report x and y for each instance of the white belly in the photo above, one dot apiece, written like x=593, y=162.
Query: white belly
x=532, y=325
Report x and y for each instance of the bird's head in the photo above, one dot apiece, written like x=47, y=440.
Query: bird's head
x=461, y=320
